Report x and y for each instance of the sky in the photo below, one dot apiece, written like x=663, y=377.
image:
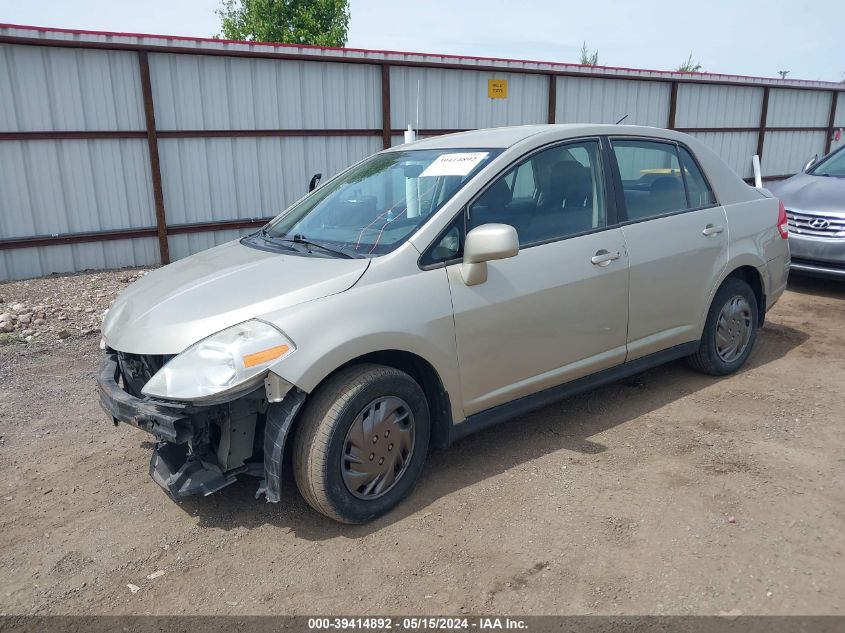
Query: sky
x=746, y=37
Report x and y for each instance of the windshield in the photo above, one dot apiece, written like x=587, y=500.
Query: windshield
x=833, y=165
x=378, y=204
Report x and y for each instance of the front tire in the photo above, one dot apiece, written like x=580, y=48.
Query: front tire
x=730, y=330
x=361, y=443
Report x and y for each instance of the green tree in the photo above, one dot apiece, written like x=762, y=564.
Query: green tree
x=689, y=66
x=589, y=58
x=319, y=22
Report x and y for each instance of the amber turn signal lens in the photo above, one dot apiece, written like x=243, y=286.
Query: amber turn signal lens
x=265, y=355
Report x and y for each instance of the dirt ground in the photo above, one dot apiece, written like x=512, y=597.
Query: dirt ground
x=670, y=493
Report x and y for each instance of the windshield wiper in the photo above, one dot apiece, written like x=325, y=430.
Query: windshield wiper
x=337, y=250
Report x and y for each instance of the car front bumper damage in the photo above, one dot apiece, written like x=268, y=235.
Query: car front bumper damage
x=201, y=449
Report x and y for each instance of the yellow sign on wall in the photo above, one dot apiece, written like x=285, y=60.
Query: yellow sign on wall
x=497, y=88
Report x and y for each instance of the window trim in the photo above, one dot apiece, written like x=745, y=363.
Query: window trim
x=621, y=202
x=454, y=222
x=611, y=202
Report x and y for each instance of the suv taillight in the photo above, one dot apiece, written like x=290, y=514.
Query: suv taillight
x=782, y=226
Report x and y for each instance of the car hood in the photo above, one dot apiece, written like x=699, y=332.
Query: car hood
x=173, y=307
x=806, y=192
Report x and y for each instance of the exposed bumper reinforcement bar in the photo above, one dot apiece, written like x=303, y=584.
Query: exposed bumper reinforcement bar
x=171, y=467
x=168, y=422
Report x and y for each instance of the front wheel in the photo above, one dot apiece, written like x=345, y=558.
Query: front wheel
x=730, y=330
x=361, y=443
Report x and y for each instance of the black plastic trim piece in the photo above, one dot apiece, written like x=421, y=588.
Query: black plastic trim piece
x=280, y=417
x=503, y=412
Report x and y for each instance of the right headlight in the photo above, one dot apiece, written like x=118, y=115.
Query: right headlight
x=231, y=361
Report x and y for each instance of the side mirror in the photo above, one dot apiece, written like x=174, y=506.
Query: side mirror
x=811, y=162
x=486, y=243
x=315, y=180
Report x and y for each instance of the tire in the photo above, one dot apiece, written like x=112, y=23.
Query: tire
x=328, y=453
x=726, y=344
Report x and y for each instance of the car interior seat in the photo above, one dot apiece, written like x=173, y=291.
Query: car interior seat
x=496, y=206
x=567, y=202
x=666, y=195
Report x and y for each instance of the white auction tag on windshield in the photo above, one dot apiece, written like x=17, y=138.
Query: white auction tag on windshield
x=454, y=164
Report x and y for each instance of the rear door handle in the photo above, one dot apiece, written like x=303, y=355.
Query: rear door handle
x=604, y=257
x=712, y=229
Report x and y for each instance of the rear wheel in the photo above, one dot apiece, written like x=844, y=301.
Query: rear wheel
x=730, y=330
x=361, y=443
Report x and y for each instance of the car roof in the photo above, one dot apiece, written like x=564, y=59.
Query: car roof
x=504, y=137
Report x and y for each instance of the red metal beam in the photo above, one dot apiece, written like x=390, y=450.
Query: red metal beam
x=673, y=105
x=225, y=225
x=76, y=238
x=385, y=106
x=127, y=234
x=155, y=167
x=171, y=134
x=71, y=135
x=552, y=98
x=750, y=129
x=433, y=131
x=750, y=181
x=265, y=133
x=830, y=119
x=761, y=132
x=97, y=135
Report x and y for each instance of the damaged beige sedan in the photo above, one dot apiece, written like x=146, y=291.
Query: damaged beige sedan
x=430, y=291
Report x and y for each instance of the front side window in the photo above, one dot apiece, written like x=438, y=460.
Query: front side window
x=833, y=166
x=374, y=207
x=553, y=194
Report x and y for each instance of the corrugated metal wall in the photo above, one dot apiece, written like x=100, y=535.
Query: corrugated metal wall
x=582, y=100
x=238, y=130
x=193, y=92
x=68, y=186
x=457, y=99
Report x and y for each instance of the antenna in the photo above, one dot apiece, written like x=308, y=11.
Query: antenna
x=622, y=119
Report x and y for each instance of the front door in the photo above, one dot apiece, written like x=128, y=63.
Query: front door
x=559, y=309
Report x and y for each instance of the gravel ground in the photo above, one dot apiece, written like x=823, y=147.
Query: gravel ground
x=668, y=493
x=60, y=306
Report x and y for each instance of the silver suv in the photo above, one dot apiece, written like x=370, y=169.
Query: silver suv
x=430, y=291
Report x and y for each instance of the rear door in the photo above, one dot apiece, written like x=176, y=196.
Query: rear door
x=677, y=239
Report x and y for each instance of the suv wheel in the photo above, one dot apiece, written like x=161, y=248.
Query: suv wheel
x=730, y=330
x=361, y=443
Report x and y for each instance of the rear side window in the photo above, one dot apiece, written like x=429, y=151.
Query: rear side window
x=651, y=178
x=699, y=192
x=659, y=178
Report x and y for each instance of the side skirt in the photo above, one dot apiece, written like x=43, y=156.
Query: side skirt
x=503, y=412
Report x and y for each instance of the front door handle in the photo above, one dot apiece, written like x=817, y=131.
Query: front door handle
x=712, y=229
x=604, y=257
